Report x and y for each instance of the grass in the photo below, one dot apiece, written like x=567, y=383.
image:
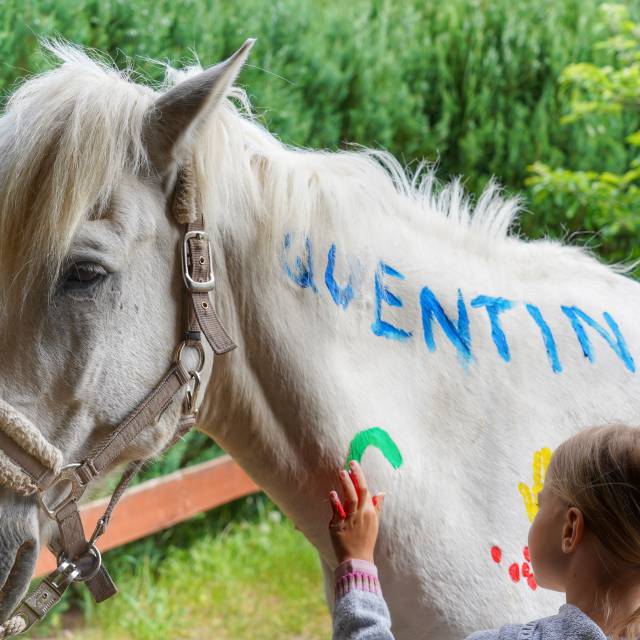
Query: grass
x=256, y=580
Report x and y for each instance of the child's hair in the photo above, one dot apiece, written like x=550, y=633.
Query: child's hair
x=598, y=471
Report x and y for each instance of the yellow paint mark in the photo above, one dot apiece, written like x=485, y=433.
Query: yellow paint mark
x=541, y=460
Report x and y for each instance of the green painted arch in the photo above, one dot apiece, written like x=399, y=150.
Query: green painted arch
x=378, y=438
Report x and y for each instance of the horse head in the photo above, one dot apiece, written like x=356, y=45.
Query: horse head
x=91, y=284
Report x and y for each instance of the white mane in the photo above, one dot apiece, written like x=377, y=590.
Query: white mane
x=68, y=135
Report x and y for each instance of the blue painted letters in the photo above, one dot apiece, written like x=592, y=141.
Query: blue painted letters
x=619, y=346
x=459, y=335
x=300, y=270
x=303, y=275
x=494, y=307
x=342, y=296
x=547, y=337
x=379, y=326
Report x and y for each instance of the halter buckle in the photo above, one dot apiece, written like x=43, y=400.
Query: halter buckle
x=190, y=283
x=76, y=489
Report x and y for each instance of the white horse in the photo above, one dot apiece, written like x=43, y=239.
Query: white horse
x=371, y=309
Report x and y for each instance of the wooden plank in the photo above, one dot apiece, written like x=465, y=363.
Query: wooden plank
x=163, y=502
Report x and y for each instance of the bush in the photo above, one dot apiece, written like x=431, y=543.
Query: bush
x=602, y=98
x=471, y=82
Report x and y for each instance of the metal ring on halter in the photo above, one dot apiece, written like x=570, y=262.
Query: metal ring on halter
x=67, y=567
x=76, y=489
x=195, y=345
x=66, y=573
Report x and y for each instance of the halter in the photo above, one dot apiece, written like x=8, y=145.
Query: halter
x=30, y=465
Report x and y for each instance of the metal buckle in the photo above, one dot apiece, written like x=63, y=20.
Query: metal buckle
x=190, y=283
x=66, y=572
x=76, y=489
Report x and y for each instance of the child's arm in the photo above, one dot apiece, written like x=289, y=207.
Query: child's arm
x=360, y=610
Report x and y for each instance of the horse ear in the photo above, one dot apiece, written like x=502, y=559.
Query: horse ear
x=177, y=113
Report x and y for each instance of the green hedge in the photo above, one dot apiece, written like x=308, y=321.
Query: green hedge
x=471, y=82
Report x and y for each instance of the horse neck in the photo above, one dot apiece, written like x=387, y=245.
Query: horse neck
x=272, y=402
x=300, y=293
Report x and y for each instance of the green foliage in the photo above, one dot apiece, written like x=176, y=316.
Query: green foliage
x=602, y=98
x=471, y=82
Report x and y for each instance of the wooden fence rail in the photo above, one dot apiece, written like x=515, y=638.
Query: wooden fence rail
x=160, y=503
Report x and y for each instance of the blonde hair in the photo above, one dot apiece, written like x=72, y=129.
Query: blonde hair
x=598, y=471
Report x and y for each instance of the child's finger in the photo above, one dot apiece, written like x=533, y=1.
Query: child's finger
x=338, y=509
x=377, y=501
x=358, y=479
x=349, y=491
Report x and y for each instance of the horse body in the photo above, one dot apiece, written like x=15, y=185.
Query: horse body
x=360, y=300
x=467, y=429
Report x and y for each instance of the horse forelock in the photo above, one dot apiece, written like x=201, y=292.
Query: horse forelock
x=66, y=138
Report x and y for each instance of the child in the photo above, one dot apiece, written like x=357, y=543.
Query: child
x=584, y=541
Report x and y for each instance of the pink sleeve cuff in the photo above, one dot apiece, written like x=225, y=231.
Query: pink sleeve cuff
x=356, y=574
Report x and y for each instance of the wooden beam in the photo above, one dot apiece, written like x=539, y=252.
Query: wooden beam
x=163, y=502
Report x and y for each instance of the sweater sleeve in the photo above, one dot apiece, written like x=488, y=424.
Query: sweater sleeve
x=507, y=632
x=484, y=635
x=360, y=611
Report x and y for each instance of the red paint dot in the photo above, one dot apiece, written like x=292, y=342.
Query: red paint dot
x=496, y=554
x=514, y=572
x=526, y=554
x=531, y=581
x=526, y=570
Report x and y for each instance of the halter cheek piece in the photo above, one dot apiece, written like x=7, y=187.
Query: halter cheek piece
x=31, y=465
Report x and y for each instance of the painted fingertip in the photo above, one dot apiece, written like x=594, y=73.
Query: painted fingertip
x=353, y=464
x=378, y=498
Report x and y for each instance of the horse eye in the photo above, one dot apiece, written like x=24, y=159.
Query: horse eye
x=83, y=275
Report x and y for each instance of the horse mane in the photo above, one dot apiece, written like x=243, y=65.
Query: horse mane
x=68, y=135
x=261, y=189
x=293, y=185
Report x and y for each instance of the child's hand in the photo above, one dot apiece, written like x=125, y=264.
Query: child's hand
x=354, y=526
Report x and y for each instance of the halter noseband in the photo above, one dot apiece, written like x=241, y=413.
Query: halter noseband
x=29, y=464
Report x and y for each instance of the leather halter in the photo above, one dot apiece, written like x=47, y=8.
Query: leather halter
x=78, y=557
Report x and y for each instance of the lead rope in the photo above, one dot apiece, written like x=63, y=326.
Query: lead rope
x=12, y=627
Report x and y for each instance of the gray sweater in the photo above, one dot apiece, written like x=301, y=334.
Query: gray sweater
x=362, y=614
